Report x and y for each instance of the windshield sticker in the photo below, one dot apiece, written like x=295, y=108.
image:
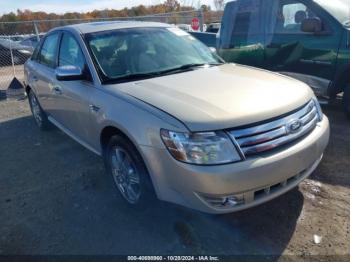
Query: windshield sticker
x=177, y=31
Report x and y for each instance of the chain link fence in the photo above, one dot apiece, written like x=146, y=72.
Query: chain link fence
x=19, y=39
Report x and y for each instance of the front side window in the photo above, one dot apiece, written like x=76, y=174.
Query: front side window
x=290, y=15
x=339, y=9
x=47, y=55
x=70, y=52
x=134, y=51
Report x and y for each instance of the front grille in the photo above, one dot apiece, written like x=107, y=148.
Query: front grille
x=268, y=136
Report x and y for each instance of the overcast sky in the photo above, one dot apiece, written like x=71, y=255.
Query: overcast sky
x=63, y=6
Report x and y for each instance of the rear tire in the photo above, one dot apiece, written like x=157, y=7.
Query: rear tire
x=39, y=115
x=125, y=165
x=346, y=101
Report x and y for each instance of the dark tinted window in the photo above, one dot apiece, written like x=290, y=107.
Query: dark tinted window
x=70, y=52
x=241, y=24
x=246, y=17
x=289, y=16
x=47, y=55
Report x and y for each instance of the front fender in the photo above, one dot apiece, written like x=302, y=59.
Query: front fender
x=140, y=122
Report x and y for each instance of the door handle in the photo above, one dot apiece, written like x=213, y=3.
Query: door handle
x=57, y=90
x=35, y=78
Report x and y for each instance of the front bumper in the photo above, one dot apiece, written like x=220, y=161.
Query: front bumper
x=258, y=179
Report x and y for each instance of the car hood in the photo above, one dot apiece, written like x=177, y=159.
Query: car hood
x=221, y=97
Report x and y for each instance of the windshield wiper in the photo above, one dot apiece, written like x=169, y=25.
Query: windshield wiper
x=130, y=77
x=187, y=67
x=141, y=76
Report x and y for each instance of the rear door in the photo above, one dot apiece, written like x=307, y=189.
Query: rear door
x=310, y=57
x=241, y=34
x=43, y=74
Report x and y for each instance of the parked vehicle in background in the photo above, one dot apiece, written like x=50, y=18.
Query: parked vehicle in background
x=184, y=27
x=188, y=28
x=22, y=48
x=16, y=38
x=213, y=28
x=169, y=116
x=18, y=55
x=31, y=42
x=305, y=39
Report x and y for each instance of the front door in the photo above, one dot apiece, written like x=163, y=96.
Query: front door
x=310, y=57
x=73, y=96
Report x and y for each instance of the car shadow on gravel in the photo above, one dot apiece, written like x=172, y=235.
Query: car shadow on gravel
x=58, y=200
x=268, y=228
x=334, y=168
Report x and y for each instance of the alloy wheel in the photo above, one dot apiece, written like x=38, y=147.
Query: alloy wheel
x=36, y=110
x=125, y=175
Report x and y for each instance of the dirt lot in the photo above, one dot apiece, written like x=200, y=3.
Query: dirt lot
x=56, y=199
x=7, y=73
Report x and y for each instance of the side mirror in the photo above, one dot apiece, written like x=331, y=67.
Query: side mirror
x=311, y=25
x=69, y=73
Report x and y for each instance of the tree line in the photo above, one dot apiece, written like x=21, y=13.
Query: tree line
x=141, y=10
x=23, y=19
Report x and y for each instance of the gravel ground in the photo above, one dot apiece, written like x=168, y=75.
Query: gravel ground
x=7, y=73
x=56, y=199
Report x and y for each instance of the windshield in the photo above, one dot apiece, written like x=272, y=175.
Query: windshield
x=146, y=52
x=339, y=9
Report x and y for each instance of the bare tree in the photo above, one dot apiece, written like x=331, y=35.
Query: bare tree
x=219, y=4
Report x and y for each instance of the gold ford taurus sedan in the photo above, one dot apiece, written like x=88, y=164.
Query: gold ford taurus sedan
x=171, y=119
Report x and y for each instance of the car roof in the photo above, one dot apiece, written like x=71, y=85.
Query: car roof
x=109, y=25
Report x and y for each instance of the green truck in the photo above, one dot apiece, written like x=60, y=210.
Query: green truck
x=305, y=39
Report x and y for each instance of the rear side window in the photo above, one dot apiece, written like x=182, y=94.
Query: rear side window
x=241, y=24
x=47, y=55
x=70, y=52
x=246, y=17
x=35, y=54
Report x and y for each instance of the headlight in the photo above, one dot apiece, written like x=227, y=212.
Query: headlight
x=207, y=148
x=319, y=109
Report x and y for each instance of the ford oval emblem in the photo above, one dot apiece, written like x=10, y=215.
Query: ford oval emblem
x=294, y=126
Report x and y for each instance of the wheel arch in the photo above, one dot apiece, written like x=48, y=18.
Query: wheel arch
x=341, y=80
x=28, y=89
x=110, y=130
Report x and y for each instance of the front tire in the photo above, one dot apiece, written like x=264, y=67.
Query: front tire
x=346, y=101
x=39, y=115
x=125, y=165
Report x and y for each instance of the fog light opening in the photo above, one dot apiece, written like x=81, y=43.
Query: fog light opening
x=232, y=201
x=224, y=201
